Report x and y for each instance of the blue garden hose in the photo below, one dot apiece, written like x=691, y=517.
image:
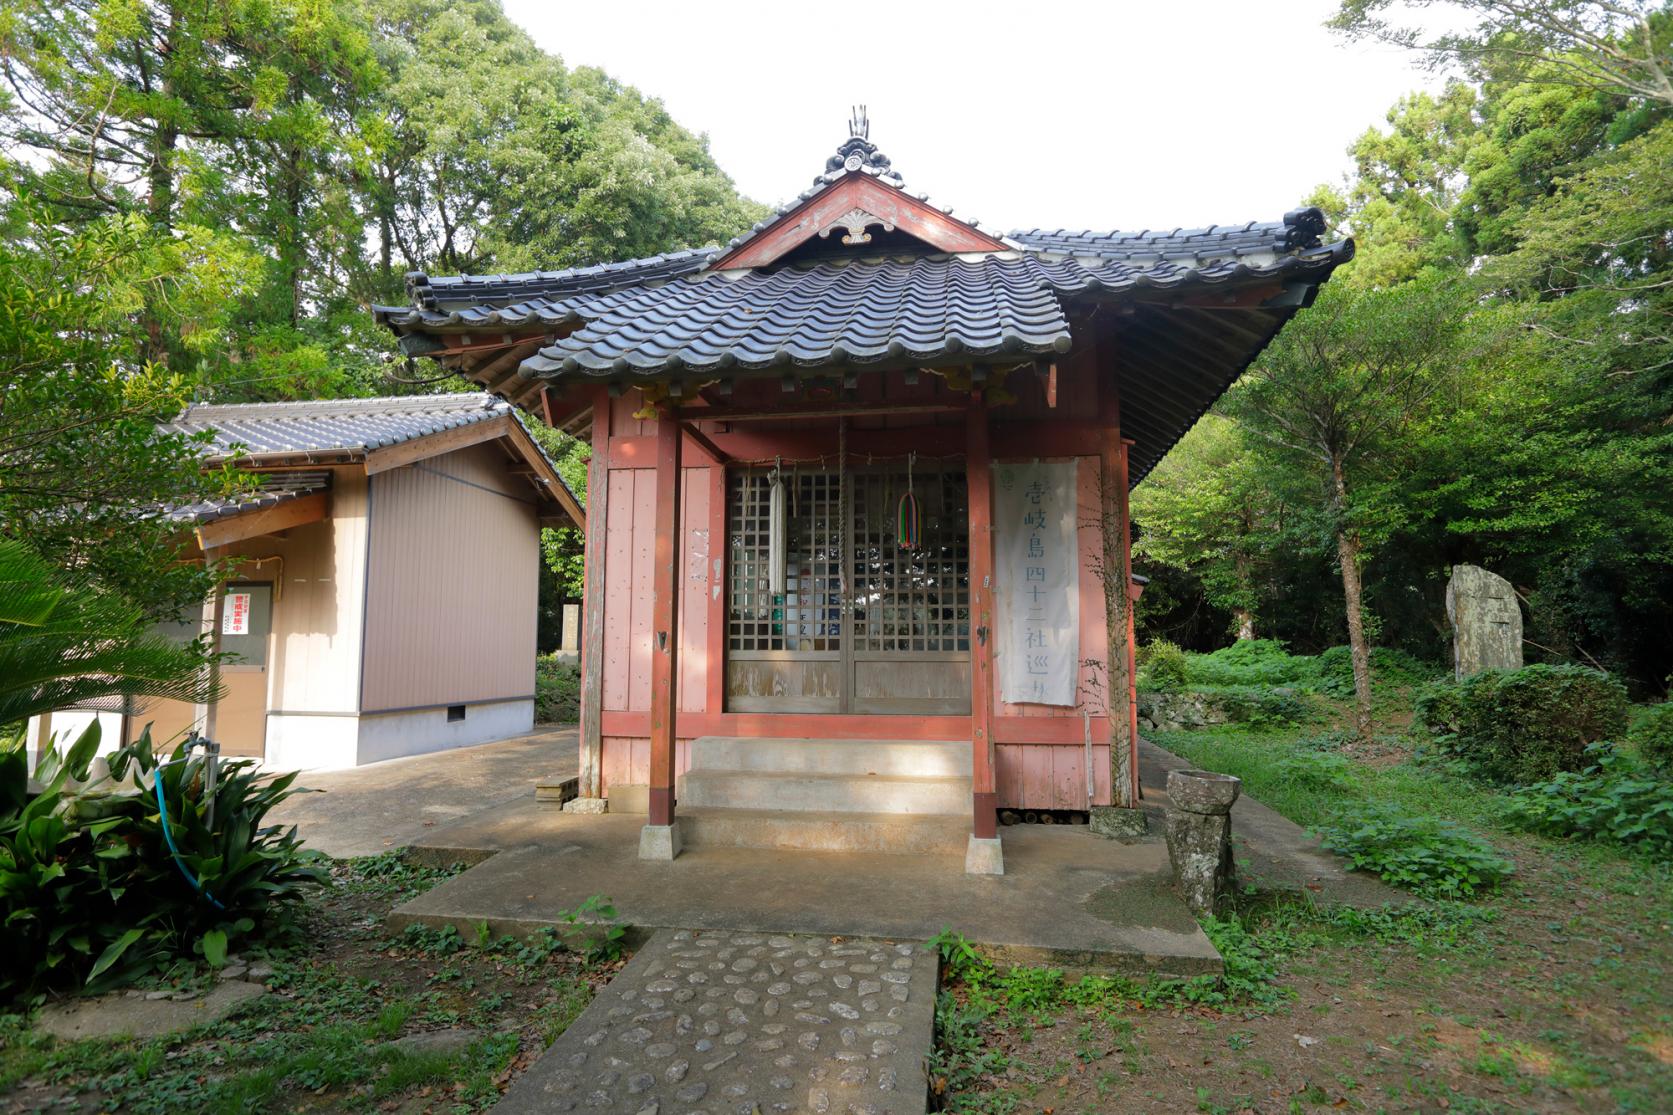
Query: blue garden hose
x=162, y=818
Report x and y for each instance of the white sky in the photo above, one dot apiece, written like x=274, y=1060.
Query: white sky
x=1043, y=113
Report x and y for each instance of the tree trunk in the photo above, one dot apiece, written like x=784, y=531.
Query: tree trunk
x=1348, y=551
x=1117, y=603
x=1245, y=617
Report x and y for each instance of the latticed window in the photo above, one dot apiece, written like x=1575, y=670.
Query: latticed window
x=808, y=614
x=910, y=600
x=901, y=600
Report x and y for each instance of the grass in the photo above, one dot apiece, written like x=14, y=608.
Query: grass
x=1272, y=765
x=322, y=1040
x=1552, y=992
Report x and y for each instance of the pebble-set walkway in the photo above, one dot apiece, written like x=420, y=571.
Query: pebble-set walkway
x=719, y=1023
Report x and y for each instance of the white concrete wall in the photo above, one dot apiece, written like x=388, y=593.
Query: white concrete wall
x=311, y=742
x=67, y=726
x=391, y=735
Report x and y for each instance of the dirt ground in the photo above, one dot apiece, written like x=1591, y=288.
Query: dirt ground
x=1561, y=1003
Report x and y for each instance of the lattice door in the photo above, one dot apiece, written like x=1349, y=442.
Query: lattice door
x=862, y=626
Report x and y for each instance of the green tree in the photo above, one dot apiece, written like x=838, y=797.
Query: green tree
x=1210, y=506
x=83, y=468
x=65, y=641
x=1597, y=44
x=1336, y=392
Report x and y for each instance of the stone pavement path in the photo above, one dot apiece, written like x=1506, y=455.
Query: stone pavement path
x=718, y=1022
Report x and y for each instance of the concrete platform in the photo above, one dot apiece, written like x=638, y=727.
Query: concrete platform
x=1067, y=898
x=398, y=802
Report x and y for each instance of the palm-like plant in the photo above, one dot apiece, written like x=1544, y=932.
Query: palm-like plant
x=65, y=642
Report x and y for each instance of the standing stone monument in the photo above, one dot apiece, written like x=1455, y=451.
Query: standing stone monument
x=1486, y=622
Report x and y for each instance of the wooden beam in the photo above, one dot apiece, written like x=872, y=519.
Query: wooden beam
x=715, y=453
x=546, y=478
x=665, y=615
x=836, y=410
x=857, y=190
x=983, y=621
x=592, y=602
x=422, y=448
x=505, y=342
x=265, y=520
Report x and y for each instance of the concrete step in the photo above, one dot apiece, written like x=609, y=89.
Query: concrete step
x=800, y=830
x=911, y=757
x=803, y=792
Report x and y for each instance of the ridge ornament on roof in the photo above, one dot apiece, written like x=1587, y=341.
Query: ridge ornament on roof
x=858, y=154
x=859, y=190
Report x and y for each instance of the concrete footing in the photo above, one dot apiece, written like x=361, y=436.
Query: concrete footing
x=1118, y=822
x=584, y=805
x=659, y=842
x=984, y=856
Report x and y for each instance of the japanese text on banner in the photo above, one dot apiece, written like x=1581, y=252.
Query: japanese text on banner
x=1037, y=582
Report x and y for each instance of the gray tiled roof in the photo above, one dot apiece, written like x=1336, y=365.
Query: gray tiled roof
x=256, y=430
x=275, y=488
x=1299, y=230
x=870, y=308
x=470, y=290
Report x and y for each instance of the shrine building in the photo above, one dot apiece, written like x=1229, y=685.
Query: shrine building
x=857, y=544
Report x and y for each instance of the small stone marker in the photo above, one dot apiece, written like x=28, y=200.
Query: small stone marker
x=113, y=1015
x=1486, y=622
x=725, y=1022
x=570, y=640
x=1200, y=835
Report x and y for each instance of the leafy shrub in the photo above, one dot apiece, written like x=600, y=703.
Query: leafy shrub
x=1263, y=706
x=1333, y=670
x=557, y=690
x=1652, y=734
x=1525, y=725
x=1617, y=799
x=90, y=891
x=1162, y=666
x=1248, y=662
x=1319, y=772
x=1432, y=857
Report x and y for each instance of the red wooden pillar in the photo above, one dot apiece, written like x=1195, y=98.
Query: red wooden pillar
x=592, y=608
x=665, y=643
x=1127, y=580
x=978, y=463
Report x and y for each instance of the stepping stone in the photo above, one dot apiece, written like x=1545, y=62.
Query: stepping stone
x=115, y=1015
x=613, y=1063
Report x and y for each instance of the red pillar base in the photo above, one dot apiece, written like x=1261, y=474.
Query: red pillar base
x=985, y=820
x=661, y=806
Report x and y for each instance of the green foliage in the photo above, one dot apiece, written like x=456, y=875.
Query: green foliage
x=1161, y=666
x=1651, y=733
x=66, y=642
x=1535, y=185
x=83, y=395
x=1528, y=724
x=1433, y=857
x=1319, y=772
x=1248, y=662
x=90, y=892
x=557, y=690
x=1617, y=799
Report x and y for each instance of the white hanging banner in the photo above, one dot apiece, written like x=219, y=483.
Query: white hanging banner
x=1037, y=582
